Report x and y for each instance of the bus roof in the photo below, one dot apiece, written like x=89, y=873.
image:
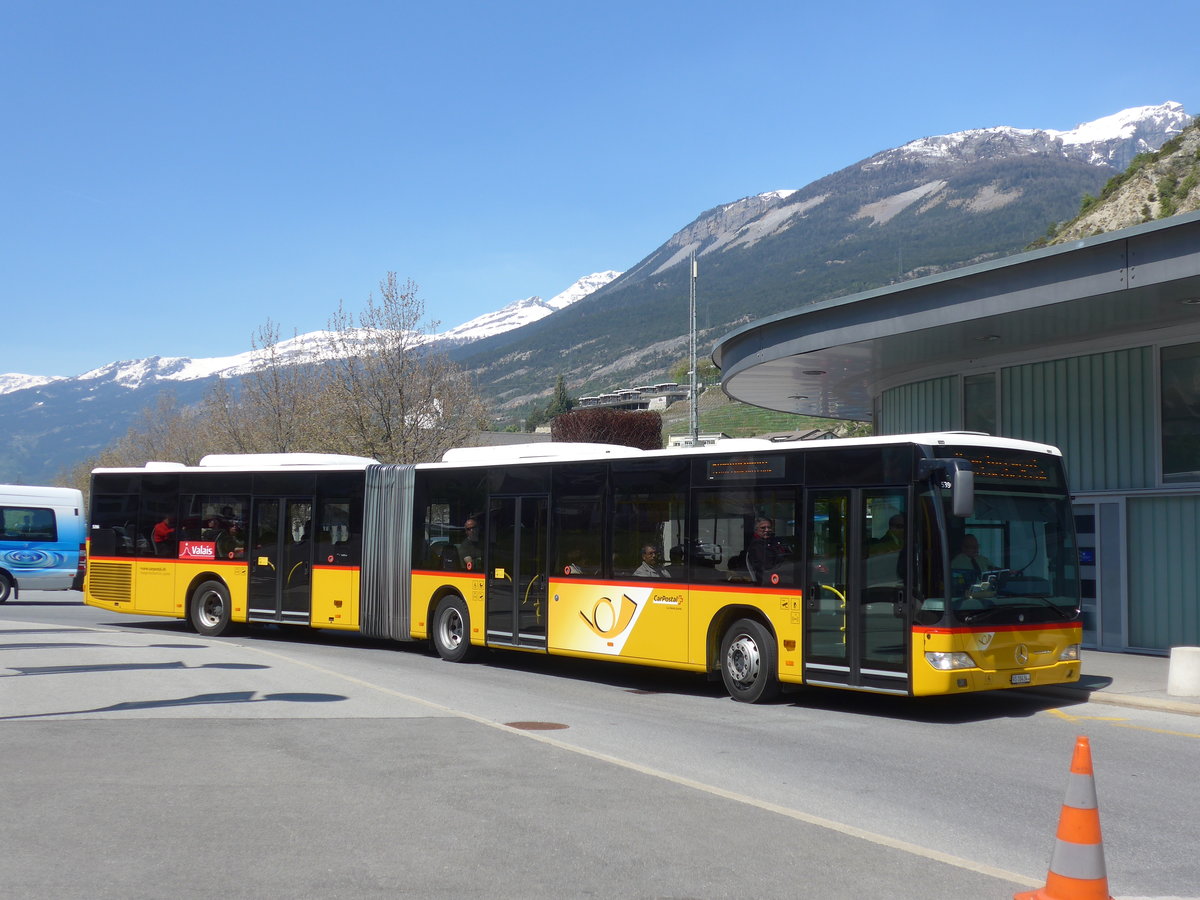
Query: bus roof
x=256, y=462
x=551, y=451
x=581, y=452
x=544, y=451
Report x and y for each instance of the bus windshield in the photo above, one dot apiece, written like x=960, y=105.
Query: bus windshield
x=1013, y=562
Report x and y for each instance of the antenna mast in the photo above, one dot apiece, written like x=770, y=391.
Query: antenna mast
x=695, y=418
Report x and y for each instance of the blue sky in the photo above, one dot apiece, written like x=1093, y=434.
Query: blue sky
x=177, y=173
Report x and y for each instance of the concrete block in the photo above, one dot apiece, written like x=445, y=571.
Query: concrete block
x=1183, y=676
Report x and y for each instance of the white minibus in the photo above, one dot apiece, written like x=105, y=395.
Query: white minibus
x=41, y=538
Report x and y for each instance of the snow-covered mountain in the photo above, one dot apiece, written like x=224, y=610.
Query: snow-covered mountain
x=134, y=373
x=522, y=312
x=1108, y=141
x=15, y=382
x=1115, y=140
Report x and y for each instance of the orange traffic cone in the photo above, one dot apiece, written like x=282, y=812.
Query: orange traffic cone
x=1077, y=864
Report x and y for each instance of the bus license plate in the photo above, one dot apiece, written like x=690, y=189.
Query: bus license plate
x=1023, y=678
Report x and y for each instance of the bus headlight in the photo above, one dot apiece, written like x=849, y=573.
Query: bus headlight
x=944, y=661
x=1070, y=653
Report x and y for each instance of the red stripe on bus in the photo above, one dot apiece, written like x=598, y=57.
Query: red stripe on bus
x=170, y=560
x=694, y=586
x=1041, y=626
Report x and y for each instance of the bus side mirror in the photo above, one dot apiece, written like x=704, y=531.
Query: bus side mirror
x=957, y=475
x=963, y=493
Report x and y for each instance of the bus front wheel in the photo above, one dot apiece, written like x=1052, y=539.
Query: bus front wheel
x=209, y=610
x=5, y=586
x=748, y=662
x=452, y=629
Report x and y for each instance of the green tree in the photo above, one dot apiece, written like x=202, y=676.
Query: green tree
x=561, y=401
x=535, y=418
x=681, y=372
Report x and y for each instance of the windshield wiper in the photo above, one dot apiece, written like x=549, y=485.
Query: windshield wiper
x=1045, y=602
x=978, y=615
x=987, y=613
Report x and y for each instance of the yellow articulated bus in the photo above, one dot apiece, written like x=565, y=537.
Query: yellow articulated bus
x=916, y=565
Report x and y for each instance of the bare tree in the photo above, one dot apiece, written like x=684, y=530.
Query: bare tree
x=273, y=407
x=387, y=394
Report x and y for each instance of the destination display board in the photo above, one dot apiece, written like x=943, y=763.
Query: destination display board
x=747, y=468
x=1018, y=467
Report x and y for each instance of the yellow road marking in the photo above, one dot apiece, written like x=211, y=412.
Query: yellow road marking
x=1118, y=722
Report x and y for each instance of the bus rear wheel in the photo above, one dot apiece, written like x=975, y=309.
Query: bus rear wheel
x=5, y=586
x=748, y=662
x=452, y=629
x=209, y=609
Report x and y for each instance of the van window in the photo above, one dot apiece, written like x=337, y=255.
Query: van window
x=26, y=523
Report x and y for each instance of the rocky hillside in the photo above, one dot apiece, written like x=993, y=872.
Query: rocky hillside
x=1156, y=185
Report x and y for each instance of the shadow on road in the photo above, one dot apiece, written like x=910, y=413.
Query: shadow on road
x=644, y=680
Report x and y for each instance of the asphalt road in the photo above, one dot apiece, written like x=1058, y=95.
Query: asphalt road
x=141, y=760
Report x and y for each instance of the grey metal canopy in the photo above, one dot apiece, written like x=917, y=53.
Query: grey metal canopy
x=831, y=358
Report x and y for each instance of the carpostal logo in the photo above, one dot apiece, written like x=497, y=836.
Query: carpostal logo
x=197, y=550
x=610, y=619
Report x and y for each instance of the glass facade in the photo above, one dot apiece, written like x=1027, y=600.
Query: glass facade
x=1180, y=409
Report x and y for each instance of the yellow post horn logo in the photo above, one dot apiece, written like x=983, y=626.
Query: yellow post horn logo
x=606, y=621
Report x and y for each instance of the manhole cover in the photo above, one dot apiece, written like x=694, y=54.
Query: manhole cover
x=536, y=726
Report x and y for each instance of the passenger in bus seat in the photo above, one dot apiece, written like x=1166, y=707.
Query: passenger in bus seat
x=765, y=551
x=892, y=539
x=163, y=537
x=232, y=544
x=470, y=550
x=885, y=562
x=652, y=566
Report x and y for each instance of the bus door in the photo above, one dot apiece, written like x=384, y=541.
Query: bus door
x=517, y=570
x=280, y=557
x=856, y=615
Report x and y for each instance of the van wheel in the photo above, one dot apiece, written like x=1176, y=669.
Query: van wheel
x=748, y=662
x=209, y=609
x=5, y=586
x=452, y=629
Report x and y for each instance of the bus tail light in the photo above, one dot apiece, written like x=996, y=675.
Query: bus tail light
x=1071, y=652
x=944, y=661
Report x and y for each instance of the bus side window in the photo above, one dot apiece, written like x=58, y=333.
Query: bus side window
x=578, y=530
x=649, y=502
x=117, y=515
